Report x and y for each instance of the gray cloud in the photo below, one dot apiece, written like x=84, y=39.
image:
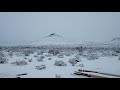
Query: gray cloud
x=85, y=26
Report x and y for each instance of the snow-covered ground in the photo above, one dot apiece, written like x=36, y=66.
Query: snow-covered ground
x=109, y=65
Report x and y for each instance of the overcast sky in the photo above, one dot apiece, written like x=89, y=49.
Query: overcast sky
x=85, y=26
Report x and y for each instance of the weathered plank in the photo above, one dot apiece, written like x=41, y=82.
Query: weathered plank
x=99, y=73
x=89, y=75
x=21, y=74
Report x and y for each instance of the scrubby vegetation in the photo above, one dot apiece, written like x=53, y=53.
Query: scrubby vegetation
x=60, y=63
x=20, y=63
x=119, y=58
x=53, y=52
x=49, y=58
x=73, y=61
x=57, y=76
x=3, y=60
x=40, y=67
x=10, y=54
x=40, y=53
x=92, y=56
x=2, y=55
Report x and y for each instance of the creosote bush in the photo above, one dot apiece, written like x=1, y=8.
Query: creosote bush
x=10, y=54
x=20, y=63
x=3, y=60
x=92, y=57
x=73, y=61
x=60, y=63
x=40, y=67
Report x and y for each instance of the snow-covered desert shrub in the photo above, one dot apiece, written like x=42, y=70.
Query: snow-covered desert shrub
x=57, y=76
x=49, y=58
x=25, y=57
x=20, y=63
x=2, y=55
x=81, y=65
x=80, y=49
x=48, y=55
x=18, y=54
x=116, y=49
x=77, y=56
x=67, y=54
x=73, y=61
x=30, y=60
x=60, y=63
x=40, y=67
x=109, y=53
x=35, y=55
x=10, y=54
x=60, y=55
x=40, y=53
x=114, y=54
x=3, y=60
x=119, y=58
x=40, y=59
x=54, y=52
x=92, y=57
x=28, y=52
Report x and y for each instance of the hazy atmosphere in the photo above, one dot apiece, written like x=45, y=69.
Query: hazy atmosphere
x=85, y=26
x=59, y=44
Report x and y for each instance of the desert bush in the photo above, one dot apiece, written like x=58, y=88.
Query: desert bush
x=73, y=61
x=2, y=55
x=109, y=53
x=49, y=58
x=67, y=54
x=105, y=54
x=80, y=49
x=54, y=52
x=114, y=54
x=81, y=65
x=40, y=67
x=117, y=49
x=25, y=57
x=48, y=55
x=28, y=52
x=60, y=55
x=20, y=63
x=57, y=76
x=118, y=57
x=18, y=54
x=77, y=56
x=40, y=59
x=30, y=60
x=3, y=60
x=35, y=55
x=40, y=53
x=10, y=54
x=92, y=57
x=60, y=63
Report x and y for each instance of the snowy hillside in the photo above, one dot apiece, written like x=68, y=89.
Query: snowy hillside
x=58, y=40
x=115, y=42
x=54, y=39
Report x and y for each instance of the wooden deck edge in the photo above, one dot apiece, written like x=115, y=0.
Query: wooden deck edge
x=89, y=75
